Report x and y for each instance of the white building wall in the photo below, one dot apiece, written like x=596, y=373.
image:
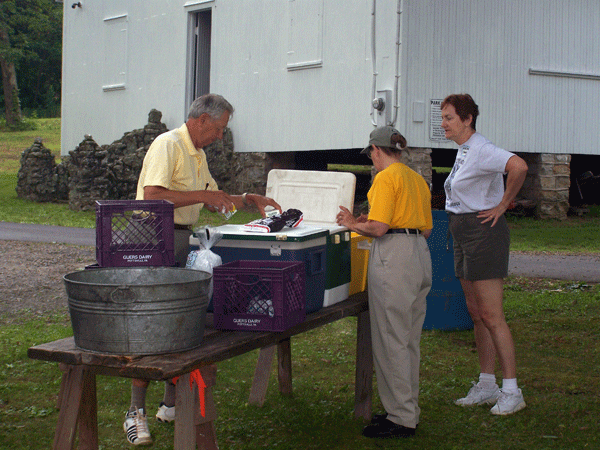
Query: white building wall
x=299, y=72
x=487, y=48
x=253, y=42
x=154, y=43
x=295, y=86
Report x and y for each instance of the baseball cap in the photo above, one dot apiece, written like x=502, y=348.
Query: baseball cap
x=381, y=137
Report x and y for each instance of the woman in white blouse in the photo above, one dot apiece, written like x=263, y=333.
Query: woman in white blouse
x=476, y=200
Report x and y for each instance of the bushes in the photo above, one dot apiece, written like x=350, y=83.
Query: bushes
x=26, y=124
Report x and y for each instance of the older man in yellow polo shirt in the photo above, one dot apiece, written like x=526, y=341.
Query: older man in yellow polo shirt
x=175, y=169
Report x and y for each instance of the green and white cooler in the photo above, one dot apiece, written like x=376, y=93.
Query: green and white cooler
x=319, y=194
x=303, y=243
x=323, y=245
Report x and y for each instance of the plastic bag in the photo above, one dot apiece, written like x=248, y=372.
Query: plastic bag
x=204, y=258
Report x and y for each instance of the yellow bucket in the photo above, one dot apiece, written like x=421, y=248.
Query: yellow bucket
x=359, y=247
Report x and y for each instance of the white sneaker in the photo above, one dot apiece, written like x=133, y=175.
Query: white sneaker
x=479, y=395
x=136, y=428
x=508, y=403
x=165, y=413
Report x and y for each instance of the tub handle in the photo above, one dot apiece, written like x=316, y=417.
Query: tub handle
x=123, y=295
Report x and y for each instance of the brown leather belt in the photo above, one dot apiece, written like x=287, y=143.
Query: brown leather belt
x=182, y=227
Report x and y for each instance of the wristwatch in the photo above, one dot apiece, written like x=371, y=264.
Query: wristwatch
x=244, y=199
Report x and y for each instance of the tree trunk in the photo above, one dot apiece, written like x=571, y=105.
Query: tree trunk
x=9, y=83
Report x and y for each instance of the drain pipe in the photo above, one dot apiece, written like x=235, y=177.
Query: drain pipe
x=373, y=60
x=376, y=104
x=397, y=75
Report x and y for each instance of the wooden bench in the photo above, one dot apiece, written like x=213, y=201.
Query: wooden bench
x=77, y=396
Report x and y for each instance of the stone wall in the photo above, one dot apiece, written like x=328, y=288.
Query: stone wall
x=93, y=172
x=37, y=176
x=90, y=172
x=419, y=160
x=236, y=173
x=547, y=184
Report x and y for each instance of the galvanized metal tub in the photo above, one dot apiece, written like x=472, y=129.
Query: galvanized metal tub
x=141, y=311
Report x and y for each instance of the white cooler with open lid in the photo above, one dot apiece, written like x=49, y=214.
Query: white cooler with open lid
x=319, y=194
x=323, y=245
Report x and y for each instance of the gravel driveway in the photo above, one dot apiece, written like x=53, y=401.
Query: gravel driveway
x=31, y=274
x=584, y=268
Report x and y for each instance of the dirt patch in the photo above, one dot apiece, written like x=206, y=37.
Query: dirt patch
x=31, y=275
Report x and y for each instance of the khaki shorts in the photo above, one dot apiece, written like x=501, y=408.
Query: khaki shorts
x=480, y=250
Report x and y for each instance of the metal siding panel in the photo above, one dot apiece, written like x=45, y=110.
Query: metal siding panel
x=281, y=110
x=487, y=47
x=156, y=70
x=483, y=47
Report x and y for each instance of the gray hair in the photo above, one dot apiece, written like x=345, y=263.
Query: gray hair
x=212, y=104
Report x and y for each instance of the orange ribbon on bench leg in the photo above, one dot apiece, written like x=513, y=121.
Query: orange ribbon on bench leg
x=196, y=376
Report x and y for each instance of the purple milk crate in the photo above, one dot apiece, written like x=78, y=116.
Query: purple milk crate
x=133, y=233
x=259, y=295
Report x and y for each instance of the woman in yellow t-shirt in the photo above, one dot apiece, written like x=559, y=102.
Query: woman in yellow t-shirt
x=399, y=279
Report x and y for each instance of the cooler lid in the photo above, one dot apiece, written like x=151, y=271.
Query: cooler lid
x=301, y=233
x=318, y=194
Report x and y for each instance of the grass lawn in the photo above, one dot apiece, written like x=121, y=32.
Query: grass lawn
x=13, y=143
x=555, y=326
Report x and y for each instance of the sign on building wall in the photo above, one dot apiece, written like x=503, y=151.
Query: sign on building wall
x=436, y=133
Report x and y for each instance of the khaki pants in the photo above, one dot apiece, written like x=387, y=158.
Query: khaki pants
x=399, y=280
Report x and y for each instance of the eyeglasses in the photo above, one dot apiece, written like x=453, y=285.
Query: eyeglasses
x=369, y=152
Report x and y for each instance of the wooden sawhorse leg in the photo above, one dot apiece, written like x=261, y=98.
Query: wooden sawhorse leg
x=78, y=407
x=260, y=383
x=363, y=387
x=191, y=428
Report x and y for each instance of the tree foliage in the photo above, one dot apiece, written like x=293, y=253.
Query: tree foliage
x=34, y=46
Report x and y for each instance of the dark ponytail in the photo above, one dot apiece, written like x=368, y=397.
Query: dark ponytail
x=399, y=141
